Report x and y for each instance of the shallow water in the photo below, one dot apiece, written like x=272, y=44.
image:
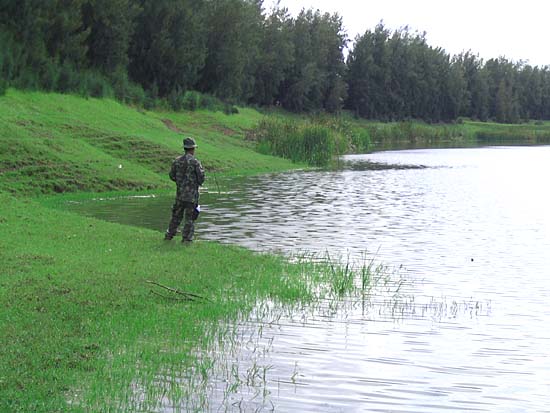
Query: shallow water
x=471, y=229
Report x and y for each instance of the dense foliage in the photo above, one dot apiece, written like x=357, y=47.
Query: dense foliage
x=398, y=76
x=143, y=50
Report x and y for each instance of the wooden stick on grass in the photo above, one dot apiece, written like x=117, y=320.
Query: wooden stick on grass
x=189, y=296
x=172, y=298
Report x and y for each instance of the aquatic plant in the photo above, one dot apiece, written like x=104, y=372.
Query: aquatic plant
x=303, y=141
x=414, y=132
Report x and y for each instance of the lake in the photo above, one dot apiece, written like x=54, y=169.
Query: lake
x=466, y=230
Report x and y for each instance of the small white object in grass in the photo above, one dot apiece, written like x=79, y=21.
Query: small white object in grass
x=120, y=166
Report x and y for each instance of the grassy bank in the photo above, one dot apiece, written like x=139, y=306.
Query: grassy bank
x=52, y=143
x=80, y=324
x=531, y=133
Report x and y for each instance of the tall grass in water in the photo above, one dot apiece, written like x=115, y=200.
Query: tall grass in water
x=335, y=277
x=412, y=132
x=357, y=138
x=228, y=364
x=317, y=140
x=305, y=141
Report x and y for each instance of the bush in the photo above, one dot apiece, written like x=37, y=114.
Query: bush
x=175, y=100
x=26, y=79
x=318, y=144
x=152, y=98
x=96, y=85
x=191, y=100
x=210, y=102
x=49, y=75
x=68, y=79
x=361, y=141
x=125, y=90
x=230, y=109
x=151, y=101
x=136, y=94
x=300, y=142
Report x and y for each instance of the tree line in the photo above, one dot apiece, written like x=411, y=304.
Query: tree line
x=144, y=50
x=399, y=76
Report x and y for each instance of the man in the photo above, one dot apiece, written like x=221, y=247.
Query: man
x=188, y=174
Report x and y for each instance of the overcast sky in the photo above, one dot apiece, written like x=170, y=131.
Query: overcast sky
x=518, y=30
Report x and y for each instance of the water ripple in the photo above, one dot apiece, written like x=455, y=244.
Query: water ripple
x=470, y=229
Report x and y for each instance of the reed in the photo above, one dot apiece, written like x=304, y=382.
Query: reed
x=414, y=132
x=299, y=141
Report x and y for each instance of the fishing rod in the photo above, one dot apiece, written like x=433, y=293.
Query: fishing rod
x=216, y=182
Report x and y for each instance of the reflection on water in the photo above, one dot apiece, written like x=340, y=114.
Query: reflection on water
x=471, y=227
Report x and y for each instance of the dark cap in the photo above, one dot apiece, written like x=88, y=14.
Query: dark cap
x=189, y=143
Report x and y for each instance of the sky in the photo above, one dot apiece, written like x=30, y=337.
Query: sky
x=517, y=30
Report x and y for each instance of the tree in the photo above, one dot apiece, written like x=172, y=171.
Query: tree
x=315, y=81
x=233, y=48
x=359, y=76
x=334, y=37
x=276, y=56
x=399, y=76
x=47, y=30
x=476, y=99
x=168, y=49
x=503, y=91
x=456, y=92
x=111, y=24
x=530, y=90
x=545, y=93
x=64, y=35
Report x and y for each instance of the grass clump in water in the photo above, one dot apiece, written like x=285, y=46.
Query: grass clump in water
x=303, y=141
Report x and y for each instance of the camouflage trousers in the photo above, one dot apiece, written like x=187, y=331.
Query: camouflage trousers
x=182, y=211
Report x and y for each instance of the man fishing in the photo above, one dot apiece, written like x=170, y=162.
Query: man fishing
x=188, y=174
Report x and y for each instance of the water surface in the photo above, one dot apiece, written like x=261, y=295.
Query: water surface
x=470, y=229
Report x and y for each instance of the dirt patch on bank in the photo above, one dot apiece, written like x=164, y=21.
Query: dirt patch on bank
x=170, y=125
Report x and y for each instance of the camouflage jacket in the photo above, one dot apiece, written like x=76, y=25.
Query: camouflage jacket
x=188, y=174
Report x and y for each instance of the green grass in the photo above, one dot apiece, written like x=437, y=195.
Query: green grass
x=531, y=133
x=395, y=135
x=52, y=143
x=82, y=329
x=78, y=317
x=79, y=324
